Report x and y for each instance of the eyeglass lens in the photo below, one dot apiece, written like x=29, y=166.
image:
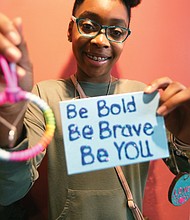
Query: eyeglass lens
x=91, y=29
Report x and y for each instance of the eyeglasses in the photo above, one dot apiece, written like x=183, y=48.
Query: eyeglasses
x=91, y=29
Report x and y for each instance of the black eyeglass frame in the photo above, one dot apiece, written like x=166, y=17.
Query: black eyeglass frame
x=102, y=27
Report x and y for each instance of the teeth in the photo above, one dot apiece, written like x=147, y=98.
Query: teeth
x=95, y=58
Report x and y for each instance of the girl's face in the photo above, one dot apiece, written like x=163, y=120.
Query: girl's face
x=96, y=56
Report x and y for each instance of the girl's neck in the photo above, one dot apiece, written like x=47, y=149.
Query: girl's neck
x=96, y=79
x=81, y=92
x=83, y=77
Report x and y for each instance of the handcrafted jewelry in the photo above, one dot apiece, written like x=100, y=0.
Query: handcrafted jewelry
x=179, y=190
x=180, y=147
x=12, y=127
x=13, y=94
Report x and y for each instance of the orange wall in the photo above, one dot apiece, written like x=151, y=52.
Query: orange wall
x=159, y=46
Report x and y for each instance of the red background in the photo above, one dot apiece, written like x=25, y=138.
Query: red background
x=159, y=46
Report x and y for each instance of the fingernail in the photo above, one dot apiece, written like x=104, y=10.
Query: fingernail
x=20, y=71
x=14, y=37
x=162, y=110
x=148, y=89
x=19, y=22
x=13, y=54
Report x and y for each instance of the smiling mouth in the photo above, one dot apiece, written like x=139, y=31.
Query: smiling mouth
x=98, y=58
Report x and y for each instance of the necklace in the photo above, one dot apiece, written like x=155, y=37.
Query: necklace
x=79, y=89
x=12, y=127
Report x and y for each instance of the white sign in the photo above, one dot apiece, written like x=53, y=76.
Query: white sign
x=108, y=131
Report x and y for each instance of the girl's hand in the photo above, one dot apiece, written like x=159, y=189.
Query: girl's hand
x=13, y=48
x=174, y=106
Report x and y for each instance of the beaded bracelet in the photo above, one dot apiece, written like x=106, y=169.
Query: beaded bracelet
x=179, y=146
x=13, y=94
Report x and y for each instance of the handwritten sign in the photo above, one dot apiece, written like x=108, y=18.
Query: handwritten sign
x=107, y=131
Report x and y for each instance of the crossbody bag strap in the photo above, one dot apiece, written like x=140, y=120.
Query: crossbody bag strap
x=131, y=203
x=78, y=87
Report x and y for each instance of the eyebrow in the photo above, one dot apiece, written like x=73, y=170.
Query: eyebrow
x=92, y=15
x=89, y=14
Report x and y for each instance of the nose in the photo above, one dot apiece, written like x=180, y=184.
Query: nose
x=101, y=40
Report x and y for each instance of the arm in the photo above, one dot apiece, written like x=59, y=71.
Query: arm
x=15, y=178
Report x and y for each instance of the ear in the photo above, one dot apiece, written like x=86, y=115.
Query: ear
x=69, y=32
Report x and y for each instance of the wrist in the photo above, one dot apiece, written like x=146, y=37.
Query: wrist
x=181, y=148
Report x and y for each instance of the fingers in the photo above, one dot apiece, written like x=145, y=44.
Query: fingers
x=14, y=48
x=171, y=90
x=160, y=83
x=25, y=68
x=174, y=100
x=8, y=29
x=10, y=38
x=12, y=53
x=173, y=94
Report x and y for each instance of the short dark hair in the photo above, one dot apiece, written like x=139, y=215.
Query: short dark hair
x=128, y=3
